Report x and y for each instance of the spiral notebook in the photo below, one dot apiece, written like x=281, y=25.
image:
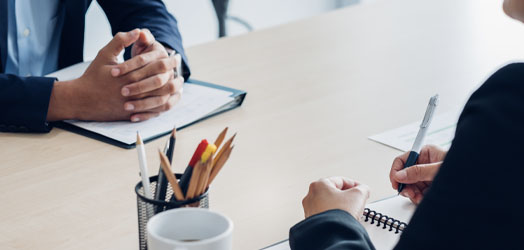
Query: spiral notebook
x=384, y=220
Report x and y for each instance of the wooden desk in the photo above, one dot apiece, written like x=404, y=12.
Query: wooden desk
x=317, y=88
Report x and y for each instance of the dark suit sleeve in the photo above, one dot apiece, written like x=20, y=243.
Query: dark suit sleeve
x=330, y=230
x=125, y=15
x=475, y=201
x=24, y=102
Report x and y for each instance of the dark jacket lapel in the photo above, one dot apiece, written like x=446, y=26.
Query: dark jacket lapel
x=72, y=37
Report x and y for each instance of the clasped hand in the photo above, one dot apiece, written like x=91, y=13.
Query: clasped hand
x=136, y=90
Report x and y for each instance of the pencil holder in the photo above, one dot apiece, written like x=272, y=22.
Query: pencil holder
x=146, y=207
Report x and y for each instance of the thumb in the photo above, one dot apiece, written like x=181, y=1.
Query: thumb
x=416, y=173
x=120, y=41
x=361, y=189
x=145, y=39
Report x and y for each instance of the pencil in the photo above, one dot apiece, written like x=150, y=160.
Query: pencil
x=204, y=177
x=223, y=149
x=219, y=164
x=221, y=137
x=191, y=190
x=143, y=166
x=164, y=162
x=161, y=183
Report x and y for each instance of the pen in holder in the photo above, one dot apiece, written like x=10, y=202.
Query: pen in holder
x=146, y=207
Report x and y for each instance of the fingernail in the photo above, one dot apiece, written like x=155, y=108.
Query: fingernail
x=135, y=119
x=405, y=194
x=401, y=175
x=115, y=71
x=129, y=107
x=125, y=91
x=135, y=32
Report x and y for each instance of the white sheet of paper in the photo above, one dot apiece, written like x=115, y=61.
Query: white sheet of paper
x=284, y=245
x=397, y=207
x=440, y=133
x=196, y=102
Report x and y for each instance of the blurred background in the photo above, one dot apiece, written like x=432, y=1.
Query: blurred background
x=198, y=22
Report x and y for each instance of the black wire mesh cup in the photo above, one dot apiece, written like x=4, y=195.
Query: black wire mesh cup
x=146, y=207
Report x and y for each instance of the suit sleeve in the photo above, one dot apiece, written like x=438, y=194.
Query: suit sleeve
x=330, y=230
x=475, y=201
x=25, y=101
x=125, y=15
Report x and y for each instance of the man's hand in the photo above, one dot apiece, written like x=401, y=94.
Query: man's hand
x=336, y=193
x=96, y=94
x=418, y=177
x=153, y=87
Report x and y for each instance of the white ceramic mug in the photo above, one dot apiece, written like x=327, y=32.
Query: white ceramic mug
x=189, y=229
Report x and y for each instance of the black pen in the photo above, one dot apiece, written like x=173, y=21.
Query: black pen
x=161, y=184
x=419, y=140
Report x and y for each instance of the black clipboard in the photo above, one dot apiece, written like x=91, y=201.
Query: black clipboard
x=238, y=95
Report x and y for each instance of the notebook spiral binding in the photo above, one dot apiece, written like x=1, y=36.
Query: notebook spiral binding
x=386, y=221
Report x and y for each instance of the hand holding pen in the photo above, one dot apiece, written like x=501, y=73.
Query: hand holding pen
x=417, y=178
x=419, y=140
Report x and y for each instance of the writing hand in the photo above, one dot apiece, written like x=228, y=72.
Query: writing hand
x=418, y=178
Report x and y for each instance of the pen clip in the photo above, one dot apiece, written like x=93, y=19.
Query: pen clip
x=433, y=102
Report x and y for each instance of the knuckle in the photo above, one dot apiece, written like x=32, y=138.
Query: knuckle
x=101, y=52
x=123, y=67
x=139, y=88
x=304, y=201
x=171, y=88
x=161, y=54
x=312, y=186
x=163, y=66
x=168, y=106
x=141, y=60
x=157, y=101
x=134, y=77
x=316, y=185
x=416, y=171
x=138, y=106
x=358, y=190
x=157, y=81
x=164, y=99
x=120, y=36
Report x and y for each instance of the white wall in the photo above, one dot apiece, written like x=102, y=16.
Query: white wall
x=197, y=20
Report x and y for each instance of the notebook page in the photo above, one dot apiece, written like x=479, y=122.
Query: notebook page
x=196, y=102
x=398, y=207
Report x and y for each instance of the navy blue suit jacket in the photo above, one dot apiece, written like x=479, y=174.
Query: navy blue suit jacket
x=25, y=100
x=475, y=200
